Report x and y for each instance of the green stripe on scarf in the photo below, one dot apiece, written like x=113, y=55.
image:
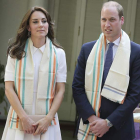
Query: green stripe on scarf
x=86, y=132
x=56, y=67
x=16, y=76
x=24, y=68
x=49, y=78
x=94, y=73
x=11, y=118
x=101, y=71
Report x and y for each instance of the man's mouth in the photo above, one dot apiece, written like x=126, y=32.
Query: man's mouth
x=108, y=30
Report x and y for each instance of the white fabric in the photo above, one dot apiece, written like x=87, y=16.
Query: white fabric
x=37, y=55
x=61, y=72
x=136, y=117
x=116, y=91
x=53, y=132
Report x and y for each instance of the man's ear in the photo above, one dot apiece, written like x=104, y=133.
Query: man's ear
x=122, y=20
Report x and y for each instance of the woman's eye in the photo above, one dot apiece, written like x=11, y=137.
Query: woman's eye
x=35, y=22
x=44, y=21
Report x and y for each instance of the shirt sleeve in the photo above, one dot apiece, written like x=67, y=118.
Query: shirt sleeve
x=10, y=69
x=62, y=67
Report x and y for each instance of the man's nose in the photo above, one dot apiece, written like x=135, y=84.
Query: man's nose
x=107, y=24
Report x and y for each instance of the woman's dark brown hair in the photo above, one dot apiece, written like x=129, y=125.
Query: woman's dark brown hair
x=16, y=49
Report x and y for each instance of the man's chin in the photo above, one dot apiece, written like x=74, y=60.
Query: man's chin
x=108, y=35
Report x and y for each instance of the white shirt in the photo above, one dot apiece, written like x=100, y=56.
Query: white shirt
x=115, y=46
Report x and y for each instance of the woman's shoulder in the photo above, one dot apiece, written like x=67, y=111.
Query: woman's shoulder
x=10, y=58
x=60, y=51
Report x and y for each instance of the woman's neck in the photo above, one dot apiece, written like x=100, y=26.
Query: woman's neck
x=38, y=42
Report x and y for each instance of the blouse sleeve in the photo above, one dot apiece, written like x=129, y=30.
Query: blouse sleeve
x=62, y=67
x=10, y=69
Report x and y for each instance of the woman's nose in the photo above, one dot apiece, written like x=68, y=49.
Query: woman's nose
x=40, y=23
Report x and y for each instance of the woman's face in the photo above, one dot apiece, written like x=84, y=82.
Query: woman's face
x=38, y=25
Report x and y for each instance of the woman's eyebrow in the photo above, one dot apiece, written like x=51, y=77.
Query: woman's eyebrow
x=37, y=19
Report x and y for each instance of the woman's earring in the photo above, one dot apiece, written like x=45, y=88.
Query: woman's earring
x=29, y=33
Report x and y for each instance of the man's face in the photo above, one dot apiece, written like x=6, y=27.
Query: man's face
x=111, y=23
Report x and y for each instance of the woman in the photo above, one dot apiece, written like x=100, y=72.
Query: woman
x=34, y=80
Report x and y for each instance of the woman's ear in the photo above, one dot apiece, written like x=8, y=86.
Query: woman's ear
x=28, y=28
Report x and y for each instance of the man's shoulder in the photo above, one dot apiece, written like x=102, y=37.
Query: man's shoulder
x=89, y=44
x=135, y=45
x=87, y=47
x=135, y=51
x=135, y=48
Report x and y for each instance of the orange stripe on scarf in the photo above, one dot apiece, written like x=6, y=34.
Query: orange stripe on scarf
x=105, y=41
x=11, y=116
x=19, y=82
x=100, y=96
x=88, y=134
x=98, y=74
x=17, y=121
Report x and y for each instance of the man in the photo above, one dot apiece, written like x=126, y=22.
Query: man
x=106, y=85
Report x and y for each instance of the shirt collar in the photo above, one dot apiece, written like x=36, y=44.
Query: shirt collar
x=41, y=49
x=116, y=42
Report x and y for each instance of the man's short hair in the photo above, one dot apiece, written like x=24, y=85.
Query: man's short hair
x=115, y=4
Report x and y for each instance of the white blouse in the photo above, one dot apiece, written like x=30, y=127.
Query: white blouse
x=37, y=55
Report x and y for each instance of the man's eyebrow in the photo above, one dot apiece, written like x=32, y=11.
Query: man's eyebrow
x=103, y=18
x=112, y=17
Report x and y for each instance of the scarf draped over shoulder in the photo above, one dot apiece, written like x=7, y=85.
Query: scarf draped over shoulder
x=24, y=82
x=117, y=81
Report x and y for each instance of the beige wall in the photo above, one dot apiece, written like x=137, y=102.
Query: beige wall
x=11, y=14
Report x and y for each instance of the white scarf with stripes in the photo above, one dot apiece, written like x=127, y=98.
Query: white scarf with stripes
x=117, y=81
x=24, y=79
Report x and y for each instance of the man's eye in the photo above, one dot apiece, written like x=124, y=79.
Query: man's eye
x=112, y=19
x=103, y=19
